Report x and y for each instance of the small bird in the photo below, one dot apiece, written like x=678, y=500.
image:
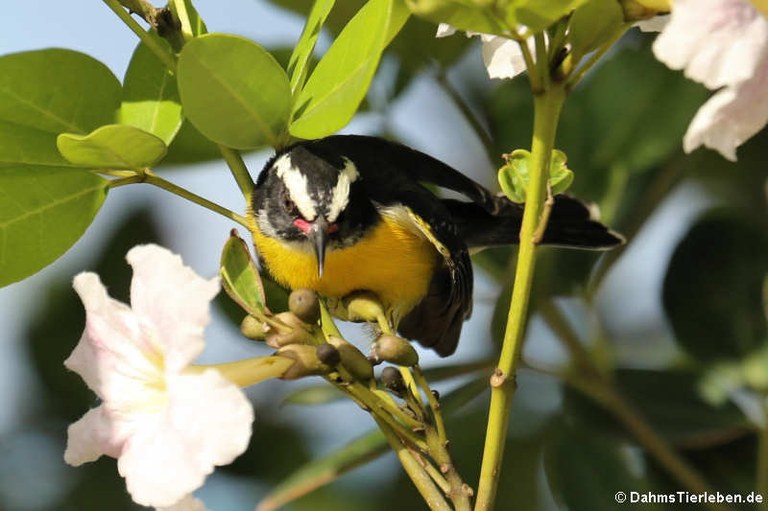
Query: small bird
x=352, y=213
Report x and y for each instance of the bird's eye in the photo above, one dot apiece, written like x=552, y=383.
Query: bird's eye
x=288, y=205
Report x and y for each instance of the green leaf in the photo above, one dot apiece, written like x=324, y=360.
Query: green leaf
x=323, y=470
x=537, y=15
x=342, y=77
x=514, y=175
x=150, y=96
x=21, y=146
x=713, y=290
x=115, y=146
x=234, y=91
x=240, y=278
x=459, y=14
x=43, y=211
x=56, y=91
x=499, y=17
x=637, y=127
x=298, y=65
x=594, y=24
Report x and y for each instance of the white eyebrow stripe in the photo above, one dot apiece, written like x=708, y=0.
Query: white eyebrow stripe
x=296, y=183
x=340, y=193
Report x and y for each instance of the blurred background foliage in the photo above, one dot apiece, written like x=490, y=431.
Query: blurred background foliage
x=697, y=374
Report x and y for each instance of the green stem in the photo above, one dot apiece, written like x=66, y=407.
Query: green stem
x=153, y=179
x=251, y=371
x=239, y=170
x=424, y=484
x=161, y=53
x=761, y=485
x=547, y=106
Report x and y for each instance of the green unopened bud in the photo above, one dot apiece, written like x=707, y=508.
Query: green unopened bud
x=363, y=306
x=328, y=355
x=304, y=303
x=352, y=359
x=252, y=328
x=296, y=332
x=393, y=380
x=305, y=361
x=393, y=349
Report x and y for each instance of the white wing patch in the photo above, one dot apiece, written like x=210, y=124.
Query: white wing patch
x=296, y=183
x=340, y=193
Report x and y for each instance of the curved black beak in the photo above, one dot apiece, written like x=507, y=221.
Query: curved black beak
x=318, y=233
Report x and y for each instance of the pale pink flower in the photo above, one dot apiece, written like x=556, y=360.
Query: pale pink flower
x=168, y=426
x=722, y=44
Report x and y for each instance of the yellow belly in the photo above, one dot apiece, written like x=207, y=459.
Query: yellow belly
x=392, y=261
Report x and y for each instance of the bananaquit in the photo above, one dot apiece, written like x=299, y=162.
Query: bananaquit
x=350, y=213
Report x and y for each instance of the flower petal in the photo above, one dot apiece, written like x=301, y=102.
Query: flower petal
x=502, y=56
x=92, y=436
x=115, y=355
x=174, y=299
x=730, y=117
x=445, y=30
x=207, y=423
x=717, y=42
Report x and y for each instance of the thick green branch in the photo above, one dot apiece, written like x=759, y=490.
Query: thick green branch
x=547, y=106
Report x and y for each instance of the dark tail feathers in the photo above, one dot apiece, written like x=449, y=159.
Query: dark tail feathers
x=571, y=224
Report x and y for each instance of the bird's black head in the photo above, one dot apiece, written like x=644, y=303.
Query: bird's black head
x=312, y=197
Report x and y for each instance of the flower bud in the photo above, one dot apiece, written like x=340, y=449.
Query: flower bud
x=352, y=359
x=393, y=380
x=390, y=348
x=305, y=361
x=296, y=333
x=252, y=328
x=304, y=303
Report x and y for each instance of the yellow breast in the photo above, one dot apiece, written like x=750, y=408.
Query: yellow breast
x=393, y=261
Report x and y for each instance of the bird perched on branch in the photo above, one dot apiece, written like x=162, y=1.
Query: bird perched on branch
x=351, y=213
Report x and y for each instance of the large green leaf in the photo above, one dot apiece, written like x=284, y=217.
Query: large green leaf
x=114, y=146
x=150, y=95
x=44, y=93
x=498, y=17
x=298, y=65
x=234, y=91
x=594, y=24
x=43, y=211
x=713, y=290
x=341, y=79
x=56, y=91
x=22, y=145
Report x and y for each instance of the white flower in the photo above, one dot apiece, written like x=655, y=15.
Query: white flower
x=724, y=45
x=501, y=55
x=166, y=425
